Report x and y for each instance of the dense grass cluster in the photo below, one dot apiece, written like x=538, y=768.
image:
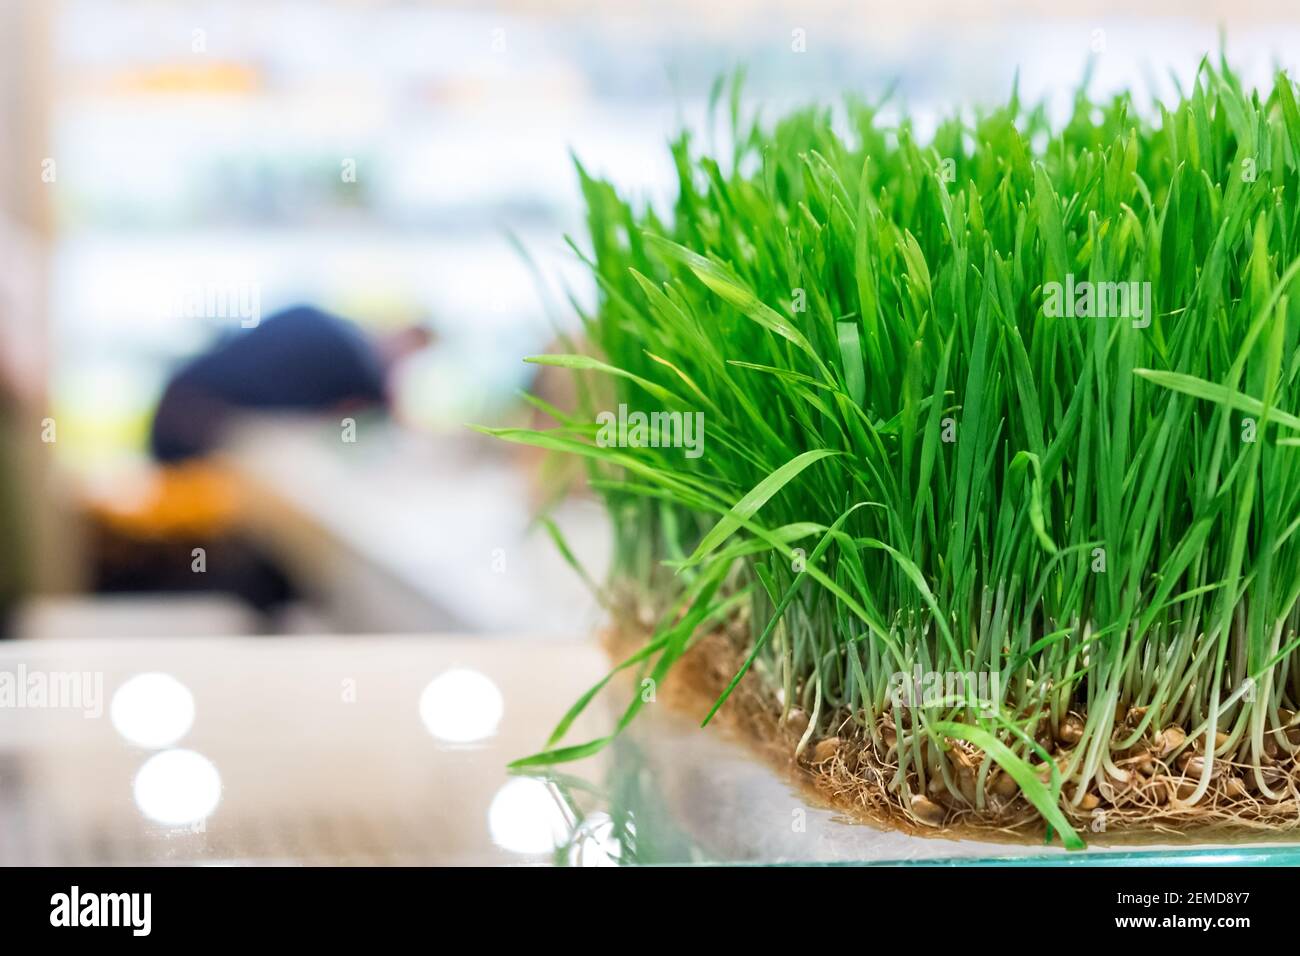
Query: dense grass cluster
x=910, y=462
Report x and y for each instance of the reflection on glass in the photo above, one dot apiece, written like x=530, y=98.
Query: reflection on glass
x=461, y=706
x=152, y=710
x=525, y=818
x=177, y=787
x=595, y=841
x=622, y=816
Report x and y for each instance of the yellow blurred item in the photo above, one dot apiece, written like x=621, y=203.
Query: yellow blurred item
x=219, y=77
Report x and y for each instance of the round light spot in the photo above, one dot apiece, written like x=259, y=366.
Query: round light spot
x=152, y=710
x=525, y=818
x=461, y=706
x=177, y=787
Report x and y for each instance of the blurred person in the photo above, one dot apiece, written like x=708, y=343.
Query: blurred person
x=13, y=562
x=22, y=374
x=298, y=360
x=301, y=359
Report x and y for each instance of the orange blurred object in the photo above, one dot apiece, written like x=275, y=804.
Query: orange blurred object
x=186, y=500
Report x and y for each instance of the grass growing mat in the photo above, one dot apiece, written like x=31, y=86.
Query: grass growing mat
x=978, y=458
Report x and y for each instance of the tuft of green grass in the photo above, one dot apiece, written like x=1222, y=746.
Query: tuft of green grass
x=919, y=457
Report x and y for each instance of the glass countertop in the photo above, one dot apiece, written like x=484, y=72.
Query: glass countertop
x=393, y=750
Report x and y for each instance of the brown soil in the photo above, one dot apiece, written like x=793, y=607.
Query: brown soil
x=850, y=773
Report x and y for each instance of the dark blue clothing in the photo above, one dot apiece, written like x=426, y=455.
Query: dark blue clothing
x=301, y=360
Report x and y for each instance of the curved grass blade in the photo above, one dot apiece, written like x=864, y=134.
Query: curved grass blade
x=749, y=505
x=1034, y=790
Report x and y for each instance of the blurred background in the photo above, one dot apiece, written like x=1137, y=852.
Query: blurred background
x=174, y=173
x=194, y=480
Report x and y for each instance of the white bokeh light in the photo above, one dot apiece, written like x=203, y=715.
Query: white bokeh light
x=461, y=706
x=177, y=787
x=524, y=818
x=152, y=710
